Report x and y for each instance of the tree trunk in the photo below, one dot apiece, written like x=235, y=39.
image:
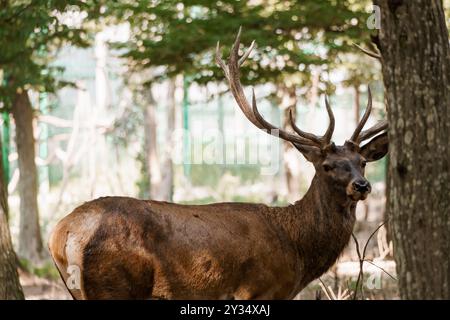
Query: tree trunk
x=166, y=187
x=220, y=125
x=151, y=145
x=10, y=288
x=357, y=104
x=30, y=241
x=289, y=101
x=413, y=41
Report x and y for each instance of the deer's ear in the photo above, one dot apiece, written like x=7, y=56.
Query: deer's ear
x=376, y=148
x=312, y=154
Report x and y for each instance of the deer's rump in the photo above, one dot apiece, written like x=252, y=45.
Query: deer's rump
x=125, y=248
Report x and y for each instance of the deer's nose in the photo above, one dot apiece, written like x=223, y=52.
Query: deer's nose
x=361, y=186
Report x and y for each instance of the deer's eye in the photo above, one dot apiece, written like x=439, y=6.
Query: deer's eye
x=327, y=167
x=363, y=163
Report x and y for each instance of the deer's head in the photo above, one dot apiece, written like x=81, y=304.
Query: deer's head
x=340, y=167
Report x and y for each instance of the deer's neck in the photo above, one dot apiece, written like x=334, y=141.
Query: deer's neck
x=319, y=225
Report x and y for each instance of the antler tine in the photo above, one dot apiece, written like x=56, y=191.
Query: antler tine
x=329, y=133
x=220, y=62
x=235, y=49
x=363, y=120
x=234, y=52
x=369, y=133
x=307, y=140
x=247, y=53
x=302, y=133
x=323, y=141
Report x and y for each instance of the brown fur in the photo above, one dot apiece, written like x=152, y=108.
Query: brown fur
x=136, y=249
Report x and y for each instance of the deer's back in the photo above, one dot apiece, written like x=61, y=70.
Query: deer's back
x=129, y=248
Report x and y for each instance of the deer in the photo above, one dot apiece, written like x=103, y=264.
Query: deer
x=126, y=248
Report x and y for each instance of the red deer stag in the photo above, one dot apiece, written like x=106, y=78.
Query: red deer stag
x=124, y=248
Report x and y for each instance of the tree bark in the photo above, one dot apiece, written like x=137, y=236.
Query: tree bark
x=30, y=241
x=414, y=44
x=10, y=288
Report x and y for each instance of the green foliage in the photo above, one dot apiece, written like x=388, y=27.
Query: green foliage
x=47, y=270
x=30, y=34
x=291, y=35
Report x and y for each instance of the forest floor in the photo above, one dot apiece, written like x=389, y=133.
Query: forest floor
x=38, y=288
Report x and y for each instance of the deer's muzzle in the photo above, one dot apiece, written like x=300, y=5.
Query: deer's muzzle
x=358, y=189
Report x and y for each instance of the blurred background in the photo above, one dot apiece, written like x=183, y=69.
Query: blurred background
x=124, y=98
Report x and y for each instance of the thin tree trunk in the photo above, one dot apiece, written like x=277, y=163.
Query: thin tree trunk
x=30, y=241
x=414, y=44
x=289, y=102
x=151, y=145
x=220, y=125
x=166, y=187
x=10, y=288
x=357, y=104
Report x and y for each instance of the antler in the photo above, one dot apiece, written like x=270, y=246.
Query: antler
x=369, y=133
x=231, y=71
x=358, y=136
x=322, y=142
